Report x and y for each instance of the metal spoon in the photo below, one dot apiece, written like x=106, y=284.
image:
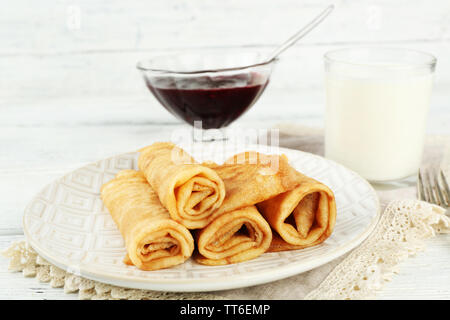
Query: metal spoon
x=301, y=33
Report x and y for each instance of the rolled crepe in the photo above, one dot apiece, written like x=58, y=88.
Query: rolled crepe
x=153, y=240
x=190, y=192
x=233, y=237
x=300, y=209
x=252, y=177
x=302, y=217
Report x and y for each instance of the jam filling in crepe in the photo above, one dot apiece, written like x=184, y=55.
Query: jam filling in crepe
x=233, y=237
x=152, y=239
x=190, y=192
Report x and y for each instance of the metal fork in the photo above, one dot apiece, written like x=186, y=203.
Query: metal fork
x=433, y=187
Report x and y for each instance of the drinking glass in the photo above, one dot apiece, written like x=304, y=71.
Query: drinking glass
x=377, y=101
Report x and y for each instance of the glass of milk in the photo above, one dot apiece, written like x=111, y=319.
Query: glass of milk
x=377, y=101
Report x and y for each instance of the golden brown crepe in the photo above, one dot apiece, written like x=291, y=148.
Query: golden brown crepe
x=153, y=240
x=302, y=217
x=253, y=177
x=233, y=237
x=190, y=192
x=300, y=209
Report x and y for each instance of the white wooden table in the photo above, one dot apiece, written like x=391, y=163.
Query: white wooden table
x=69, y=92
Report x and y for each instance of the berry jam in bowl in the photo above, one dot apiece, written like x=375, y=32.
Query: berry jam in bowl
x=215, y=87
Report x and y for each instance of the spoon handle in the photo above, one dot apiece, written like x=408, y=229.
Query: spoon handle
x=301, y=33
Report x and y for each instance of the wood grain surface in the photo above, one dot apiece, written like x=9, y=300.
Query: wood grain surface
x=70, y=93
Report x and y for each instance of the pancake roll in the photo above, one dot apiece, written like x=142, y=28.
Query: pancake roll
x=153, y=240
x=302, y=217
x=233, y=237
x=190, y=192
x=253, y=177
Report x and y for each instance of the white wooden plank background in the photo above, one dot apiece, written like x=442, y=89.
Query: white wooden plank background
x=70, y=93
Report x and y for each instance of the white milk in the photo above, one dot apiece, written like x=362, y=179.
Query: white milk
x=375, y=125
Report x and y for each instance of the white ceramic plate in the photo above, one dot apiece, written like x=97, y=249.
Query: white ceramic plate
x=67, y=224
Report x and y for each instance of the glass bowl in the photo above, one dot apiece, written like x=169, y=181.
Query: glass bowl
x=207, y=88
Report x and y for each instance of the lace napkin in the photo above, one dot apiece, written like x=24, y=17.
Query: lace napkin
x=401, y=232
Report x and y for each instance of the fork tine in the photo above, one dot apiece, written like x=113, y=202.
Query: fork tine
x=429, y=184
x=446, y=187
x=421, y=194
x=437, y=188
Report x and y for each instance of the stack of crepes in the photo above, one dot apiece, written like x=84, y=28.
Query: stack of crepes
x=251, y=204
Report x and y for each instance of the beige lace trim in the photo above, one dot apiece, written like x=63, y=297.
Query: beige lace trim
x=24, y=259
x=399, y=234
